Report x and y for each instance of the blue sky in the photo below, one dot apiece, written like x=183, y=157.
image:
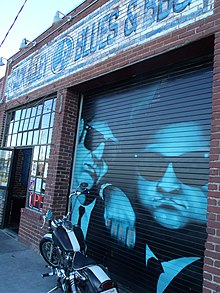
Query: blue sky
x=34, y=19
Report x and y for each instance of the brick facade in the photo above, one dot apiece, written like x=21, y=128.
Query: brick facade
x=2, y=112
x=176, y=47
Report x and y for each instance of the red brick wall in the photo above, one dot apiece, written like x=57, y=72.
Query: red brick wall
x=212, y=253
x=2, y=121
x=1, y=87
x=2, y=107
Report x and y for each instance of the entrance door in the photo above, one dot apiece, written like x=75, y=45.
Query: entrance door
x=6, y=158
x=16, y=188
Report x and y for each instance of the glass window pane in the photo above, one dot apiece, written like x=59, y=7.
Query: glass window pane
x=45, y=121
x=10, y=128
x=17, y=115
x=21, y=125
x=43, y=186
x=9, y=140
x=34, y=111
x=28, y=113
x=36, y=137
x=38, y=184
x=45, y=170
x=34, y=168
x=48, y=152
x=13, y=140
x=19, y=139
x=40, y=169
x=31, y=123
x=30, y=137
x=24, y=138
x=52, y=120
x=32, y=183
x=48, y=106
x=39, y=109
x=54, y=105
x=37, y=122
x=25, y=127
x=50, y=135
x=42, y=153
x=35, y=200
x=36, y=152
x=5, y=163
x=23, y=113
x=15, y=128
x=43, y=136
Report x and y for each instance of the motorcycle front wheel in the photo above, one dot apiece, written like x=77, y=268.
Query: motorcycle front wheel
x=48, y=251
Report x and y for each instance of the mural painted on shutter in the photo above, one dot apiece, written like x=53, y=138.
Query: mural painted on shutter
x=144, y=153
x=110, y=30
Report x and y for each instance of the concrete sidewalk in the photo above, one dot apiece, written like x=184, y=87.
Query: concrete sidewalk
x=21, y=268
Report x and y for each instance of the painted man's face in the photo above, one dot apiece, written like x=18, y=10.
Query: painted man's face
x=171, y=180
x=92, y=153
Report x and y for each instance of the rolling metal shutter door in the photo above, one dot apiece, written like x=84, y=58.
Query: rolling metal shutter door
x=147, y=146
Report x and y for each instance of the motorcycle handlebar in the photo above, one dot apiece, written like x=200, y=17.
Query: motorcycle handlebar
x=49, y=217
x=78, y=193
x=82, y=189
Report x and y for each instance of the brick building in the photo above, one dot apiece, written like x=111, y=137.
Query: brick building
x=122, y=95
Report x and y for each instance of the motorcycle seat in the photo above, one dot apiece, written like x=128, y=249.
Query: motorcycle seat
x=81, y=261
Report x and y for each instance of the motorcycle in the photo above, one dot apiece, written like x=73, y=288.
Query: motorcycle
x=64, y=250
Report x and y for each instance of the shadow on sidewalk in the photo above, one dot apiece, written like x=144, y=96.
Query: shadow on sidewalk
x=21, y=267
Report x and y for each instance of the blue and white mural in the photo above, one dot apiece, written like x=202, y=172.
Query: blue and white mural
x=144, y=153
x=114, y=27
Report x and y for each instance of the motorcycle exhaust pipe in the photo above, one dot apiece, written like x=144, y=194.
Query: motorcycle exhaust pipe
x=48, y=274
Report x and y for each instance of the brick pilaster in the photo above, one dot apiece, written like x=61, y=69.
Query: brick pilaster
x=212, y=253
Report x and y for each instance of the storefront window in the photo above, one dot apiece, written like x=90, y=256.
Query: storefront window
x=32, y=126
x=5, y=163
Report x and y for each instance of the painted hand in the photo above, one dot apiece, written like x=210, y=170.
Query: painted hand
x=119, y=216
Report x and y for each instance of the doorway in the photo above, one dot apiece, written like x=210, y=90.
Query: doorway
x=18, y=186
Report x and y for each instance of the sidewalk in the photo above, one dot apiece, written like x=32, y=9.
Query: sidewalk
x=21, y=268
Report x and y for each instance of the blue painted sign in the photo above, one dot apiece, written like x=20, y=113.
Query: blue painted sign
x=114, y=27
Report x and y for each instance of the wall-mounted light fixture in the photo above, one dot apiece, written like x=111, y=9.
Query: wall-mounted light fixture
x=2, y=63
x=25, y=43
x=58, y=17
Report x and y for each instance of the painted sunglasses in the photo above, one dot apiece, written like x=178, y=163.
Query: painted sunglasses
x=94, y=138
x=190, y=168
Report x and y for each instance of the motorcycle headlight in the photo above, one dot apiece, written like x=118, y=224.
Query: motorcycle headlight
x=68, y=225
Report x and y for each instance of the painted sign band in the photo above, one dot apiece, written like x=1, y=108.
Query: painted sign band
x=109, y=30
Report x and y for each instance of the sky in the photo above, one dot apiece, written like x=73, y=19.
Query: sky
x=35, y=18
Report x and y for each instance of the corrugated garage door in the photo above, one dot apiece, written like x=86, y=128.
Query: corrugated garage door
x=144, y=152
